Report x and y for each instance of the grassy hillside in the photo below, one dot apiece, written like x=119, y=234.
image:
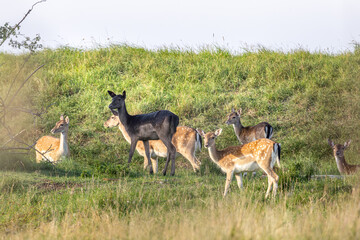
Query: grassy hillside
x=306, y=97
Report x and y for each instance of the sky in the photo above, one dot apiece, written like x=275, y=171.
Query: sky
x=314, y=25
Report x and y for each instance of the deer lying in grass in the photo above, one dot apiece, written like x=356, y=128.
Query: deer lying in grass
x=232, y=160
x=52, y=148
x=186, y=141
x=342, y=165
x=144, y=127
x=250, y=133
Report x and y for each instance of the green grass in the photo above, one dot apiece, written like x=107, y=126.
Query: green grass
x=306, y=97
x=35, y=203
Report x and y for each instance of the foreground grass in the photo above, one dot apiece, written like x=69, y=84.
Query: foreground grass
x=187, y=206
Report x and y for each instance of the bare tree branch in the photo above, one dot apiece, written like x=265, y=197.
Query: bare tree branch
x=35, y=114
x=11, y=139
x=12, y=83
x=29, y=147
x=18, y=24
x=22, y=85
x=5, y=104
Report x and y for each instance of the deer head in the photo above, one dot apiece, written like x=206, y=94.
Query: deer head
x=234, y=116
x=112, y=121
x=338, y=148
x=209, y=138
x=117, y=100
x=61, y=126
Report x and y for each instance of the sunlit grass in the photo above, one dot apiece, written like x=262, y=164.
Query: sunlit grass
x=306, y=97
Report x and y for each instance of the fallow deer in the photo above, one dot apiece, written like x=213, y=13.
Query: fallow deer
x=342, y=165
x=52, y=148
x=259, y=154
x=144, y=127
x=186, y=141
x=250, y=133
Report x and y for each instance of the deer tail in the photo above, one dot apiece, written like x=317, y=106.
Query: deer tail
x=174, y=122
x=198, y=141
x=269, y=131
x=277, y=151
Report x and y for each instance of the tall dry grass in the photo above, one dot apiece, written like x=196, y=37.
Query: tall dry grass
x=236, y=217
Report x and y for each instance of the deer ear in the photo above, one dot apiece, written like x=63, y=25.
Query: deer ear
x=111, y=94
x=347, y=144
x=67, y=119
x=61, y=117
x=232, y=110
x=201, y=132
x=331, y=143
x=240, y=111
x=218, y=132
x=124, y=94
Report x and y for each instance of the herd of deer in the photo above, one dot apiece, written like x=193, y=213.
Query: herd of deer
x=157, y=134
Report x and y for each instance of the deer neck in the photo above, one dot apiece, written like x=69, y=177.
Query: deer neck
x=63, y=142
x=238, y=127
x=214, y=154
x=124, y=116
x=341, y=164
x=124, y=132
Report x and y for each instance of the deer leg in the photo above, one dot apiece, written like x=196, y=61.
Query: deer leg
x=173, y=156
x=155, y=164
x=145, y=163
x=147, y=154
x=171, y=153
x=273, y=179
x=270, y=182
x=229, y=176
x=193, y=161
x=239, y=180
x=132, y=149
x=166, y=163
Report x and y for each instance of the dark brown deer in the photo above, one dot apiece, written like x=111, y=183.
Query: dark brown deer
x=338, y=151
x=186, y=141
x=144, y=127
x=250, y=133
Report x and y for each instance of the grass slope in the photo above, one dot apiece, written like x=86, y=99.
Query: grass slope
x=306, y=97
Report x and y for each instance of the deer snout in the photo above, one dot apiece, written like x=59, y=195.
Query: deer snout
x=105, y=125
x=52, y=131
x=206, y=145
x=227, y=122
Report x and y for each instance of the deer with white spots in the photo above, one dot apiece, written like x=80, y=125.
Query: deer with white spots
x=259, y=154
x=342, y=165
x=186, y=141
x=250, y=133
x=52, y=148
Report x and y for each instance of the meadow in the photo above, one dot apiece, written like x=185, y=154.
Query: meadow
x=307, y=98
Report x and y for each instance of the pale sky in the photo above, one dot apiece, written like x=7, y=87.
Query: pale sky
x=327, y=25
